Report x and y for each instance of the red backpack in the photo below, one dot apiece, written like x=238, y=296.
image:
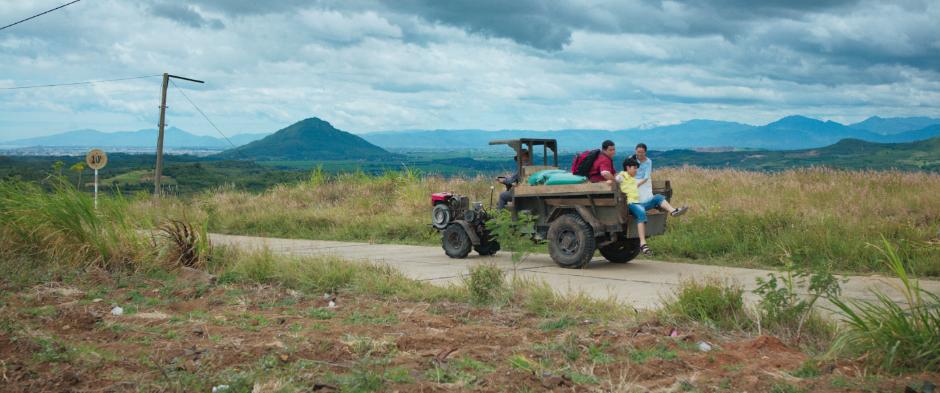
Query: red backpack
x=584, y=162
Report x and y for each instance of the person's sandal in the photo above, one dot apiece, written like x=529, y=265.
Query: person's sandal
x=680, y=211
x=645, y=249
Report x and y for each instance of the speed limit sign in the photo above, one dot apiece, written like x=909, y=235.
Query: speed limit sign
x=96, y=159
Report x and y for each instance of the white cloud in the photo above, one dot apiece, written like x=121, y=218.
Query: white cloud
x=368, y=66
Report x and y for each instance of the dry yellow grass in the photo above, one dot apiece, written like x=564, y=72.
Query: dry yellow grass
x=737, y=218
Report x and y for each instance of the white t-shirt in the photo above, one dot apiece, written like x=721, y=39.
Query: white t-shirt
x=644, y=172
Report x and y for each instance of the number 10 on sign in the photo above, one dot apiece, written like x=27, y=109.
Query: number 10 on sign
x=96, y=159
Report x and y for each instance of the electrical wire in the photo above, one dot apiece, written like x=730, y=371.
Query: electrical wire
x=78, y=83
x=38, y=15
x=202, y=113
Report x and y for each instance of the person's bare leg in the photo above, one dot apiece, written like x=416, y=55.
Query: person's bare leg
x=641, y=230
x=667, y=206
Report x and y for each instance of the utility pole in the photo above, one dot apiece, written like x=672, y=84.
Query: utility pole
x=158, y=171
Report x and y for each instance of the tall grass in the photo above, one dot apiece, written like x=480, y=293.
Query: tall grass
x=738, y=218
x=324, y=274
x=890, y=335
x=814, y=216
x=716, y=303
x=63, y=225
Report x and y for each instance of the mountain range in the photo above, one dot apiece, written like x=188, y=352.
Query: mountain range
x=789, y=133
x=172, y=138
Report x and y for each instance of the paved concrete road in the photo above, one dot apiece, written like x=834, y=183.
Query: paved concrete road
x=642, y=283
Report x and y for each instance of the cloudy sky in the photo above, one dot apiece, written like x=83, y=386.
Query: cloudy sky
x=367, y=65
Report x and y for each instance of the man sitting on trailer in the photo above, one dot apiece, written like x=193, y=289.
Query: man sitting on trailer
x=603, y=167
x=506, y=196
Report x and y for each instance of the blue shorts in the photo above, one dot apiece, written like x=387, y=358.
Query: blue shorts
x=638, y=210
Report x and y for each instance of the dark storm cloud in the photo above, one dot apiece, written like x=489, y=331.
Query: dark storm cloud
x=184, y=14
x=750, y=9
x=535, y=23
x=755, y=25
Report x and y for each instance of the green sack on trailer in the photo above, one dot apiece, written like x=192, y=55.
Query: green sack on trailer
x=558, y=179
x=541, y=176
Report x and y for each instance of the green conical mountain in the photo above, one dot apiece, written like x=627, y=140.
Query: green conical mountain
x=310, y=139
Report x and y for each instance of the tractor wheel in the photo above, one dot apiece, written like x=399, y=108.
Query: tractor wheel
x=621, y=251
x=455, y=241
x=488, y=248
x=441, y=215
x=571, y=241
x=488, y=245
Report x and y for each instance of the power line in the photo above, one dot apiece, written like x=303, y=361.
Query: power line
x=202, y=113
x=37, y=15
x=77, y=83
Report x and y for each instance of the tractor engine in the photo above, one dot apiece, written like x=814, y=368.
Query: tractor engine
x=447, y=208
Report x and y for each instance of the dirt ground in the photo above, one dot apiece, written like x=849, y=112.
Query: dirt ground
x=190, y=337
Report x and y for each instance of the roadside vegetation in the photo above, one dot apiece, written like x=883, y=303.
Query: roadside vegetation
x=812, y=217
x=87, y=301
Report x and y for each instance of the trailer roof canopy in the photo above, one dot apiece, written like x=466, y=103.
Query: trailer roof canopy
x=517, y=143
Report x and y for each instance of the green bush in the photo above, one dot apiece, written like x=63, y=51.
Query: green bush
x=486, y=284
x=719, y=304
x=785, y=312
x=889, y=335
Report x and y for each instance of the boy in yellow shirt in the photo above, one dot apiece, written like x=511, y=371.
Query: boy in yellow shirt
x=627, y=180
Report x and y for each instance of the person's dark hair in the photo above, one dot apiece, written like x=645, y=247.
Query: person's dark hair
x=606, y=144
x=643, y=145
x=630, y=162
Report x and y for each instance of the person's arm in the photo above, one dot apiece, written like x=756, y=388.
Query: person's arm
x=607, y=170
x=641, y=182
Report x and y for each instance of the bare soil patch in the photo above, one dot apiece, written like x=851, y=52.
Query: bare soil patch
x=260, y=338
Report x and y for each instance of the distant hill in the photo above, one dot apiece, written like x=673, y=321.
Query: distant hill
x=894, y=125
x=797, y=132
x=310, y=139
x=173, y=138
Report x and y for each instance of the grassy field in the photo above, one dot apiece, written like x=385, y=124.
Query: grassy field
x=194, y=317
x=753, y=219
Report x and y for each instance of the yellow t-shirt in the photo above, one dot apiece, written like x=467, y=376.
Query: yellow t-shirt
x=629, y=188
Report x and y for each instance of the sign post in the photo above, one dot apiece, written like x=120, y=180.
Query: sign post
x=96, y=159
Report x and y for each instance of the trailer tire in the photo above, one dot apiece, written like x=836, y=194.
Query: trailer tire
x=571, y=242
x=621, y=251
x=455, y=241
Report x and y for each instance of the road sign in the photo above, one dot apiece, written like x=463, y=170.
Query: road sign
x=96, y=159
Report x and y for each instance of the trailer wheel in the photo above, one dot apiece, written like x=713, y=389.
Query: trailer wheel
x=455, y=241
x=571, y=241
x=621, y=251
